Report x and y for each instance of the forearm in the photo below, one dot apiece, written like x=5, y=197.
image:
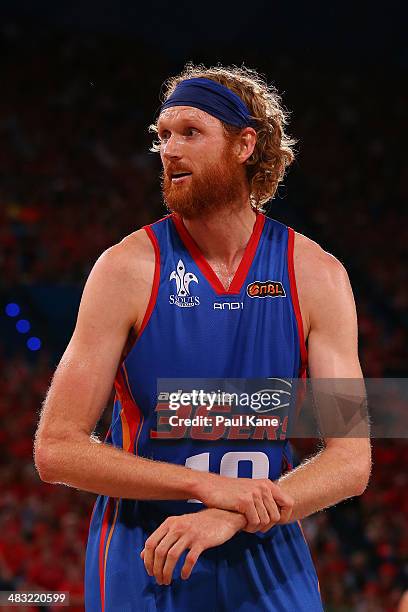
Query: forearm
x=90, y=465
x=322, y=481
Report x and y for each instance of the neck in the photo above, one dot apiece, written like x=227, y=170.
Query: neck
x=222, y=236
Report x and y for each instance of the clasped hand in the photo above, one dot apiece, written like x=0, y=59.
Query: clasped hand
x=238, y=504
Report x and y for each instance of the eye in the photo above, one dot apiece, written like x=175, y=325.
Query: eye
x=190, y=131
x=164, y=135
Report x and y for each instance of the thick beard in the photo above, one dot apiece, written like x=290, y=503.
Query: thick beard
x=214, y=188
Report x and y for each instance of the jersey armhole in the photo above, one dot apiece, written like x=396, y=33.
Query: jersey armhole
x=295, y=302
x=156, y=280
x=133, y=336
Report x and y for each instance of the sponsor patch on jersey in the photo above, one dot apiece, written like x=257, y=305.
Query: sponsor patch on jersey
x=263, y=289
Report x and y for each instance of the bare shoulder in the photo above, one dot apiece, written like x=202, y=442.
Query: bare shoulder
x=124, y=273
x=133, y=255
x=322, y=280
x=314, y=263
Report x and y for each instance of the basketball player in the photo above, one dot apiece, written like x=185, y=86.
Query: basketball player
x=191, y=524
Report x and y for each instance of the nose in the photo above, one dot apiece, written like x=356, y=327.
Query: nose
x=172, y=148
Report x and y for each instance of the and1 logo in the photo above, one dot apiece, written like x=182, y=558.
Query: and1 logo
x=262, y=289
x=183, y=299
x=228, y=305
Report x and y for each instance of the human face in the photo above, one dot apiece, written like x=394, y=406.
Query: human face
x=201, y=173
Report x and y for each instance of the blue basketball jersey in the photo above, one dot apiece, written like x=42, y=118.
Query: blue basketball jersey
x=194, y=328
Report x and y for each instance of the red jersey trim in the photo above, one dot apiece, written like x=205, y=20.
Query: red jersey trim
x=295, y=302
x=108, y=540
x=132, y=423
x=96, y=501
x=130, y=413
x=133, y=336
x=156, y=279
x=105, y=521
x=245, y=263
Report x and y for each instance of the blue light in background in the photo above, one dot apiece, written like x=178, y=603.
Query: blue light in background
x=34, y=343
x=23, y=326
x=12, y=310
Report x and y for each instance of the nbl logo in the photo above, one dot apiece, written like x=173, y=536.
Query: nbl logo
x=183, y=298
x=263, y=289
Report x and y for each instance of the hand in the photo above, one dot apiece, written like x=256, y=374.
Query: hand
x=197, y=532
x=262, y=502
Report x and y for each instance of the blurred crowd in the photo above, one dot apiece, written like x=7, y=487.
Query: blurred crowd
x=76, y=176
x=360, y=547
x=43, y=528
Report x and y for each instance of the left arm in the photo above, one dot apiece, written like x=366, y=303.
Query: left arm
x=342, y=468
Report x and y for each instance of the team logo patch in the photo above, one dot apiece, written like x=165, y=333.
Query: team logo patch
x=183, y=297
x=262, y=289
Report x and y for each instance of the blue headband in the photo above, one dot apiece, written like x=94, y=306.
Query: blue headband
x=211, y=97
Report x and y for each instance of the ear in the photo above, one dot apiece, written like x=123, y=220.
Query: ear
x=246, y=144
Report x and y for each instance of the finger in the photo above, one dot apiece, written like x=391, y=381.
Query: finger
x=273, y=513
x=150, y=545
x=285, y=503
x=262, y=512
x=160, y=555
x=190, y=561
x=252, y=517
x=285, y=514
x=172, y=557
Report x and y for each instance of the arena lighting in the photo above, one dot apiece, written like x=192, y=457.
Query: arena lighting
x=34, y=343
x=23, y=326
x=12, y=309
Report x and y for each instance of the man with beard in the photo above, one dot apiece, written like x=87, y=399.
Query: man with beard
x=214, y=290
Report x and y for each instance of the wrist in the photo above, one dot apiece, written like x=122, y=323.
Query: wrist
x=200, y=484
x=235, y=519
x=238, y=520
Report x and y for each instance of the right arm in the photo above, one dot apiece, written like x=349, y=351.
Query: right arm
x=115, y=298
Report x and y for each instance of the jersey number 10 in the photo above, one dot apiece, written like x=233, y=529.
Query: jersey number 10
x=229, y=464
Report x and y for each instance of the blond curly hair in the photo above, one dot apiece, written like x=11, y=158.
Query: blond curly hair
x=274, y=149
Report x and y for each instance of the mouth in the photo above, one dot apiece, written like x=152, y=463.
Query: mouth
x=179, y=177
